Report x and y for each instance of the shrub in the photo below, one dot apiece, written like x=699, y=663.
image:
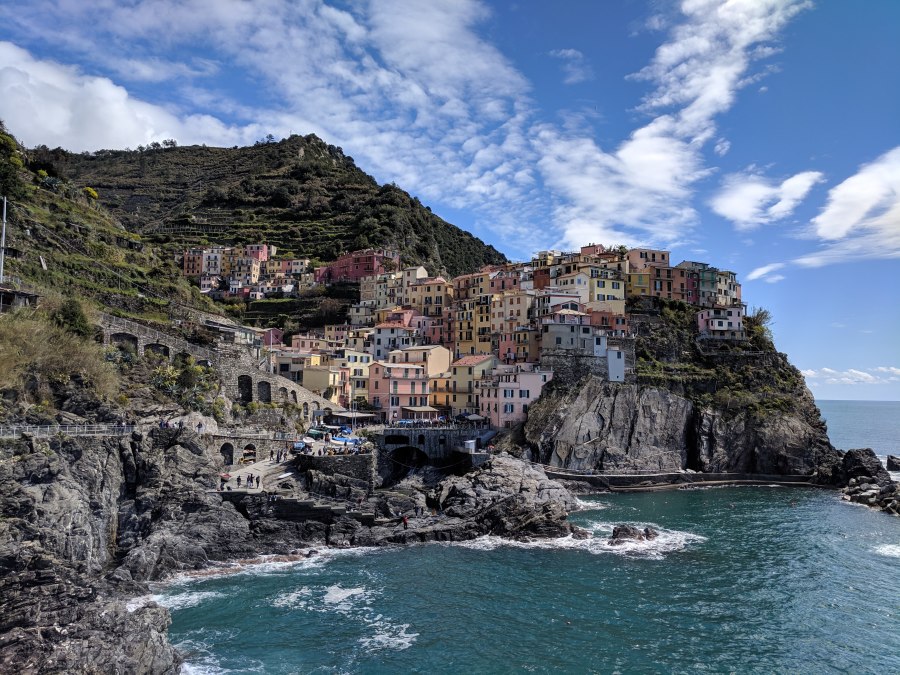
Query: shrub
x=71, y=317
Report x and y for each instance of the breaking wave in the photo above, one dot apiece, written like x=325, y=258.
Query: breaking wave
x=668, y=541
x=889, y=550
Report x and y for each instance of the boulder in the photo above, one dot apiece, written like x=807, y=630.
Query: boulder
x=893, y=463
x=623, y=533
x=865, y=466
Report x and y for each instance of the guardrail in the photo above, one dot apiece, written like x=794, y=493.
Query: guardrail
x=14, y=431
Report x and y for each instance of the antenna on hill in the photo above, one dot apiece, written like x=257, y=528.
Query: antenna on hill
x=3, y=242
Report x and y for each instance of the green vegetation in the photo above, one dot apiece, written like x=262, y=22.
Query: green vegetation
x=38, y=356
x=736, y=377
x=299, y=194
x=187, y=382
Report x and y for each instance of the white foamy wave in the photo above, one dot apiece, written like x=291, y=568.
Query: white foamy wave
x=889, y=550
x=341, y=598
x=387, y=635
x=585, y=505
x=668, y=541
x=294, y=600
x=185, y=600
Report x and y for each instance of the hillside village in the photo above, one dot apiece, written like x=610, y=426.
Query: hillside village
x=480, y=346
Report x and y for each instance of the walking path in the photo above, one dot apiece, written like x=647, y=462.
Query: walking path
x=15, y=431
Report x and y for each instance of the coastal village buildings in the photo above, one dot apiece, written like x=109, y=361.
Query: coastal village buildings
x=421, y=346
x=506, y=392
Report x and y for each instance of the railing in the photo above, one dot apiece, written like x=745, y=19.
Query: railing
x=14, y=431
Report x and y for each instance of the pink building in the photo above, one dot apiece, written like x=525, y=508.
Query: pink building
x=507, y=392
x=260, y=252
x=722, y=323
x=354, y=266
x=642, y=258
x=399, y=391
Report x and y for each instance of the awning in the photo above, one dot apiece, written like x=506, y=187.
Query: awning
x=475, y=418
x=420, y=409
x=352, y=415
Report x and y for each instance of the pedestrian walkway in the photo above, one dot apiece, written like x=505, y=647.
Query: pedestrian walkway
x=267, y=470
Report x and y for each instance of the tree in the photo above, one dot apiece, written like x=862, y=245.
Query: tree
x=759, y=328
x=71, y=316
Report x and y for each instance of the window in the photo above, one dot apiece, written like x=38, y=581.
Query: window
x=524, y=393
x=508, y=408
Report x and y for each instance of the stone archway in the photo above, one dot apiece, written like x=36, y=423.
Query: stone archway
x=245, y=389
x=283, y=394
x=305, y=409
x=125, y=341
x=263, y=392
x=227, y=452
x=404, y=460
x=249, y=454
x=157, y=348
x=294, y=396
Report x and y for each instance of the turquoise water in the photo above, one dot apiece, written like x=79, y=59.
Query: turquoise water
x=747, y=580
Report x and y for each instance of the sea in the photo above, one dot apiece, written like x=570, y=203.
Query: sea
x=741, y=580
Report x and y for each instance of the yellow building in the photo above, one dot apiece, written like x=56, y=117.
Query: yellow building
x=326, y=381
x=637, y=283
x=439, y=392
x=464, y=376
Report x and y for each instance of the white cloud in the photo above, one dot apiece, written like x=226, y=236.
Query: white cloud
x=47, y=103
x=722, y=147
x=874, y=376
x=641, y=191
x=775, y=278
x=761, y=272
x=574, y=66
x=750, y=200
x=410, y=89
x=861, y=219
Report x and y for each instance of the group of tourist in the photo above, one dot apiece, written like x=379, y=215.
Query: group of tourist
x=179, y=424
x=278, y=457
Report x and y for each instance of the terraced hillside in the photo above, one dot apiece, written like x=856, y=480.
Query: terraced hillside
x=300, y=194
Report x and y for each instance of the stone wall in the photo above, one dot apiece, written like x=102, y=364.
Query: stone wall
x=359, y=467
x=571, y=366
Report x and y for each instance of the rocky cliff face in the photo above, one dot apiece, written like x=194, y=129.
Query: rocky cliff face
x=622, y=428
x=85, y=523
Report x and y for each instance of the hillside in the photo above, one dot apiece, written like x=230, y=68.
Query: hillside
x=300, y=194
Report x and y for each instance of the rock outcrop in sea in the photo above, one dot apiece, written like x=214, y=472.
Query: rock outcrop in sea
x=868, y=482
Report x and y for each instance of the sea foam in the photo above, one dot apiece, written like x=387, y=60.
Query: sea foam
x=889, y=550
x=668, y=541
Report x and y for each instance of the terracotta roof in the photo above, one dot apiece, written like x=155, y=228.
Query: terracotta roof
x=391, y=324
x=472, y=360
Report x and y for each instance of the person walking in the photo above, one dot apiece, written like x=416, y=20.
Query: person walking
x=405, y=522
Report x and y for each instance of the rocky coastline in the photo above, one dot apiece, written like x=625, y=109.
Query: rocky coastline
x=88, y=522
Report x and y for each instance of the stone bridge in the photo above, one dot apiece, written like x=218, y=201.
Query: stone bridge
x=241, y=380
x=440, y=446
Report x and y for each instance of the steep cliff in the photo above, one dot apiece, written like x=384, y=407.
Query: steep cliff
x=739, y=407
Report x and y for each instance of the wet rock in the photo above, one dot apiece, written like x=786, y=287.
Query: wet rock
x=624, y=533
x=893, y=463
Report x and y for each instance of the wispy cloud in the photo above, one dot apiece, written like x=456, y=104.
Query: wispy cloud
x=861, y=219
x=412, y=89
x=642, y=190
x=750, y=200
x=575, y=68
x=874, y=376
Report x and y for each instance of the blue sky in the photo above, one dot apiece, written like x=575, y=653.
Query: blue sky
x=758, y=135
